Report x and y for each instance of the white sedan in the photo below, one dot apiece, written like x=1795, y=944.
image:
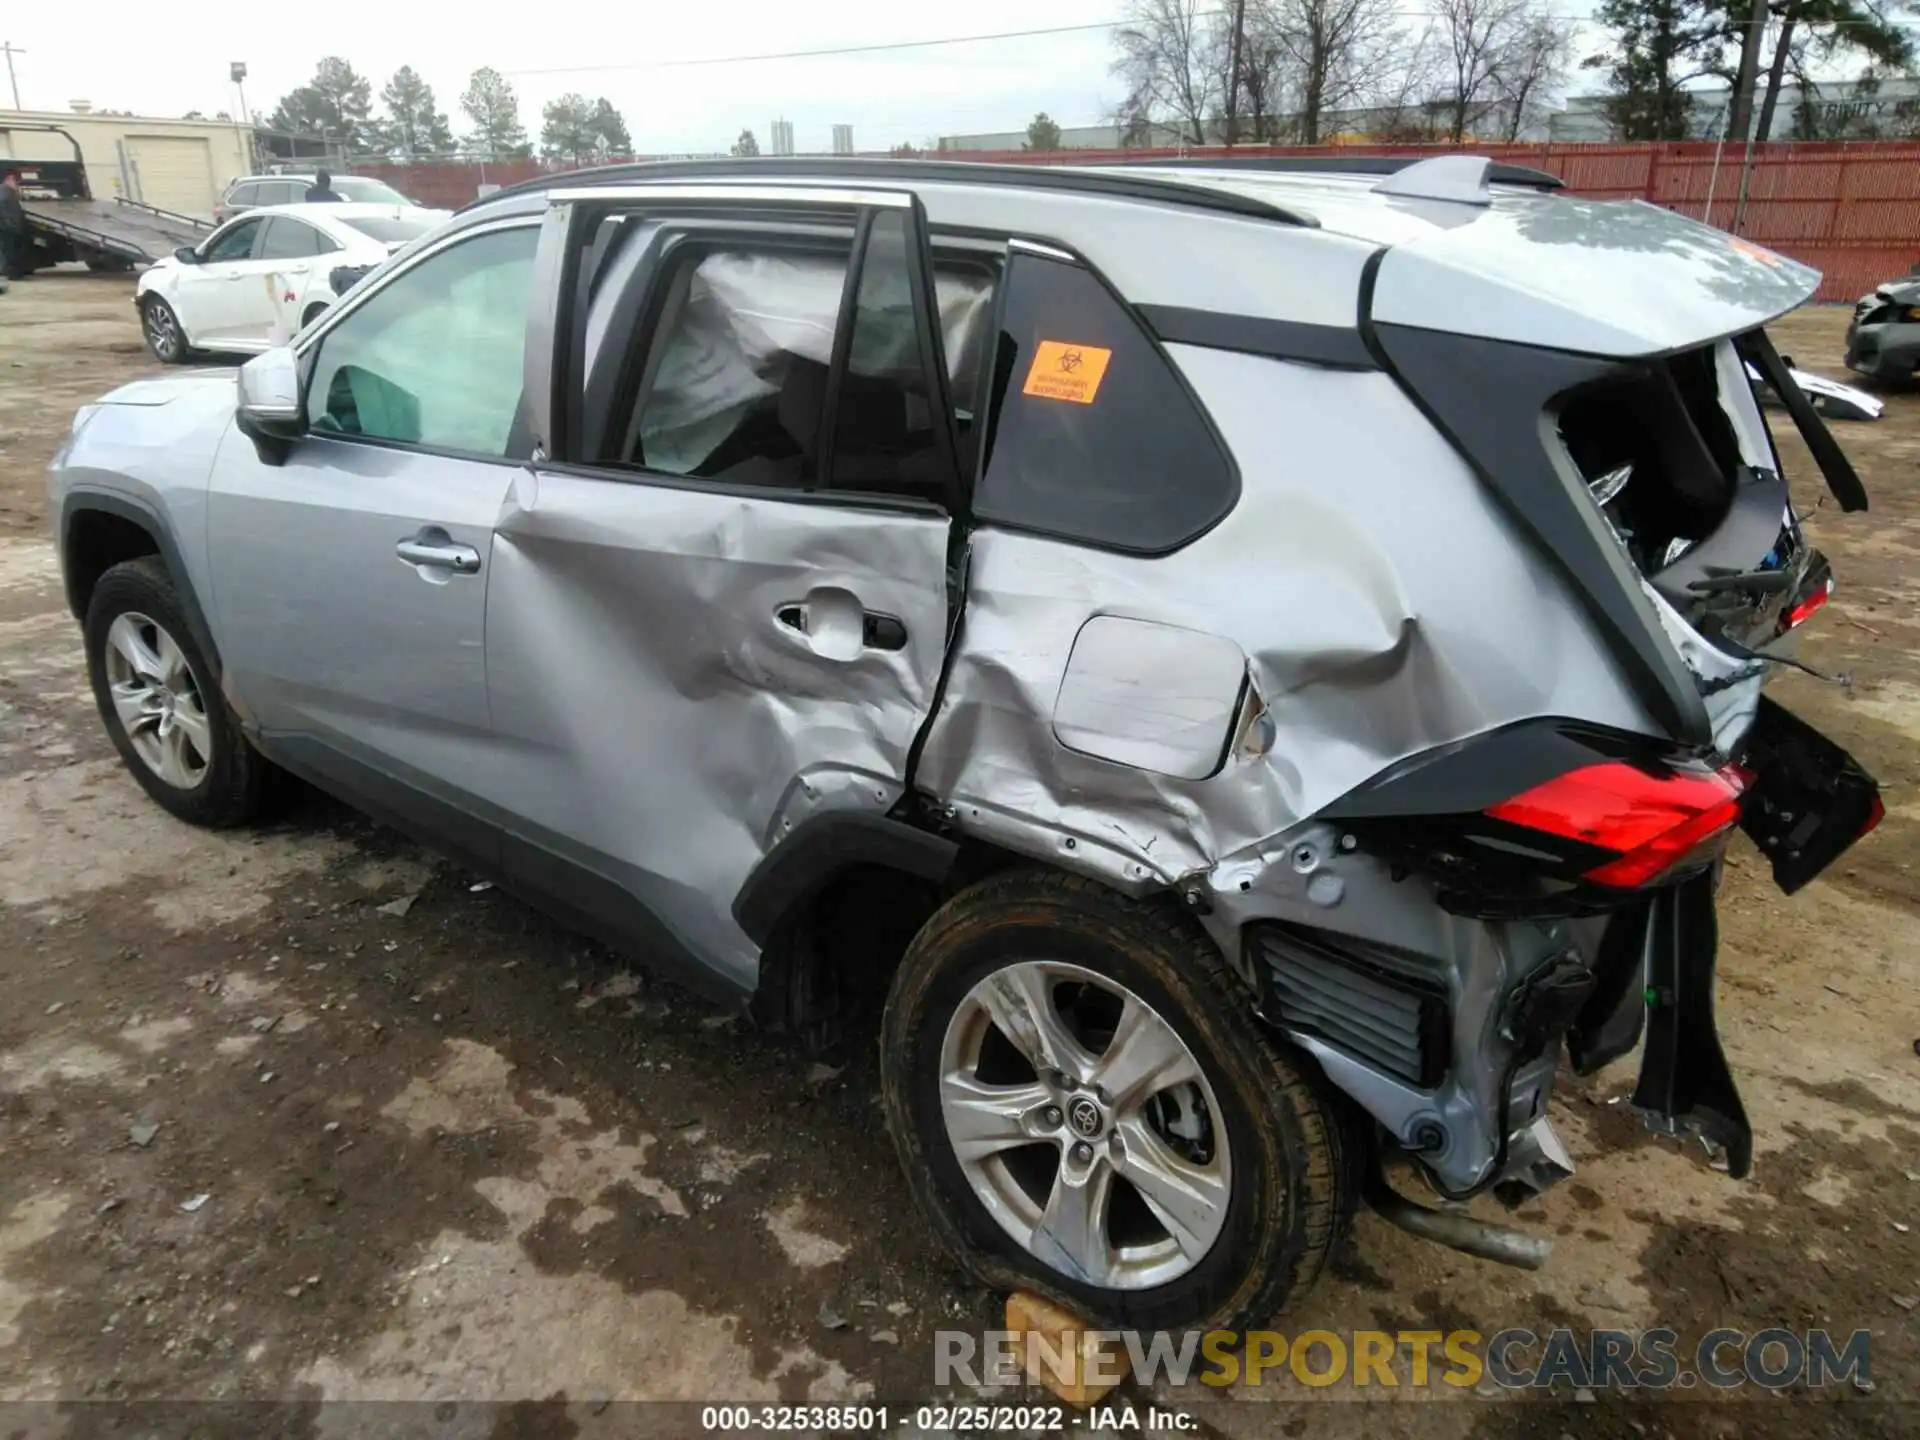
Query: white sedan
x=265, y=275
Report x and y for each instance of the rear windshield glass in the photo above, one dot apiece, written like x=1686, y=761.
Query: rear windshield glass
x=391, y=230
x=362, y=191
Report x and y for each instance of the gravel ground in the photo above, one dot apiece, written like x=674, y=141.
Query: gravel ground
x=304, y=1115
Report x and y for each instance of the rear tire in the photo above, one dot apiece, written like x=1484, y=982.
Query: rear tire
x=1261, y=1191
x=313, y=313
x=184, y=747
x=162, y=329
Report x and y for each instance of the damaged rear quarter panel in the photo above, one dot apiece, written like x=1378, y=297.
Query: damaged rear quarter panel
x=1383, y=604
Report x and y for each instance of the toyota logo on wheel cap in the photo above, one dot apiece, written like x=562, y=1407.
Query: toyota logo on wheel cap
x=1084, y=1116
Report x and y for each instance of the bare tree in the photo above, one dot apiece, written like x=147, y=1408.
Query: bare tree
x=1402, y=107
x=1172, y=60
x=1499, y=60
x=1534, y=67
x=1268, y=87
x=1335, y=51
x=1472, y=39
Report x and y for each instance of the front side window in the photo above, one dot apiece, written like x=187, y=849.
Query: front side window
x=436, y=357
x=1094, y=437
x=234, y=243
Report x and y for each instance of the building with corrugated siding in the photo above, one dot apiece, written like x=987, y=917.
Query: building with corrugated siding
x=179, y=165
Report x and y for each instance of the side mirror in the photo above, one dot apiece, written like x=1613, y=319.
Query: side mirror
x=187, y=255
x=270, y=410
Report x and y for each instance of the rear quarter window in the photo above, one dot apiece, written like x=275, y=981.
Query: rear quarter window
x=1095, y=438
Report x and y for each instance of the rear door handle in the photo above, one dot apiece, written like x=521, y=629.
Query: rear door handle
x=432, y=549
x=836, y=626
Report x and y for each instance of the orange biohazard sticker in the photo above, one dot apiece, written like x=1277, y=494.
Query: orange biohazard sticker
x=1062, y=370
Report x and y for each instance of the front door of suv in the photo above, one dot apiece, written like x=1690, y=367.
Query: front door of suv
x=724, y=609
x=350, y=582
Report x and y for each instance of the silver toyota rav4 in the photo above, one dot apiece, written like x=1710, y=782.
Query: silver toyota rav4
x=1256, y=665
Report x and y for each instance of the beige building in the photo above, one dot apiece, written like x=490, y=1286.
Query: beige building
x=179, y=165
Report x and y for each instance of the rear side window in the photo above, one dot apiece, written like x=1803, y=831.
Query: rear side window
x=290, y=239
x=243, y=195
x=1094, y=438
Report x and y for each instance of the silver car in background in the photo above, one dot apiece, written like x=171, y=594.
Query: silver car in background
x=1246, y=667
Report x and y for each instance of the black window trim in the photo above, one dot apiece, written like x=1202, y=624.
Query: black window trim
x=1059, y=254
x=357, y=298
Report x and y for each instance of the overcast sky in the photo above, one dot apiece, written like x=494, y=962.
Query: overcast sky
x=128, y=55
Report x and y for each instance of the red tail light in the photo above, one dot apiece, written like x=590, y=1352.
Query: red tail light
x=1657, y=824
x=1804, y=607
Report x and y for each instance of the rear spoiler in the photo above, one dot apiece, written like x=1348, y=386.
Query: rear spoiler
x=1841, y=477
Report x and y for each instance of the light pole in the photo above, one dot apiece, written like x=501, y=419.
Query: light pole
x=237, y=72
x=10, y=50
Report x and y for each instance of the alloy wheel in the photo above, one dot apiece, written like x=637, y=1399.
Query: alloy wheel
x=1084, y=1125
x=163, y=331
x=157, y=697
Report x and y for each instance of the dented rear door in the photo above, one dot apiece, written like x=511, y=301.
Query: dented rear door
x=723, y=607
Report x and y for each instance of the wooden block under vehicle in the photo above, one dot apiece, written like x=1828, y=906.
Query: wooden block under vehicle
x=1059, y=1350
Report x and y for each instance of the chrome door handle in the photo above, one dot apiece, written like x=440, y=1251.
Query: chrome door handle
x=439, y=555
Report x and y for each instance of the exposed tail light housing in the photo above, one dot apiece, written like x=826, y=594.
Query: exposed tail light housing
x=1657, y=824
x=1802, y=609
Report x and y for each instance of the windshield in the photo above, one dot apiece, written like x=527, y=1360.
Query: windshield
x=392, y=230
x=363, y=191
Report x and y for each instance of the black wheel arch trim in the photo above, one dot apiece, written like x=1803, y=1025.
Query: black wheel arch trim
x=822, y=847
x=82, y=499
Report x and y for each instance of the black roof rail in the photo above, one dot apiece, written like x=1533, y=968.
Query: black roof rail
x=1106, y=181
x=1498, y=172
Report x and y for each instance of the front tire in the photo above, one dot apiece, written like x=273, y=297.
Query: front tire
x=161, y=704
x=1085, y=1108
x=162, y=328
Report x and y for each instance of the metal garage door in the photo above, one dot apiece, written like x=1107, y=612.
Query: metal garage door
x=172, y=171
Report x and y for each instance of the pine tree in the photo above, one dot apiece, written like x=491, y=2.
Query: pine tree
x=335, y=105
x=414, y=125
x=489, y=102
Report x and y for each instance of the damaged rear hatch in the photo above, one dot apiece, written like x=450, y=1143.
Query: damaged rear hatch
x=1592, y=361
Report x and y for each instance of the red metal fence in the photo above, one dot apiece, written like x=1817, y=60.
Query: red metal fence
x=1850, y=209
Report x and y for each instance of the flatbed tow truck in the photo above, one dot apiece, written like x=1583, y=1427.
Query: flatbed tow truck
x=65, y=221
